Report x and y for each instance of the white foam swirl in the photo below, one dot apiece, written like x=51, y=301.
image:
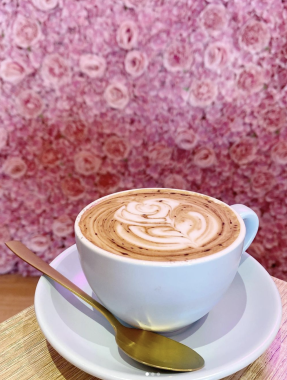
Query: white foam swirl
x=154, y=226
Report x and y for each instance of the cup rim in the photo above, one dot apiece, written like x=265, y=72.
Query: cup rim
x=129, y=260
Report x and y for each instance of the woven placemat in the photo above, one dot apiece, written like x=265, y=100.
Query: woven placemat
x=26, y=354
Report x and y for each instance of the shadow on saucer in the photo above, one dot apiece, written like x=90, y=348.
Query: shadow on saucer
x=64, y=301
x=213, y=326
x=219, y=321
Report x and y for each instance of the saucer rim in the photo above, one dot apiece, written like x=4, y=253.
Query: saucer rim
x=110, y=374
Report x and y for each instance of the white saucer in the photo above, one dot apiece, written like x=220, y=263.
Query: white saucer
x=231, y=336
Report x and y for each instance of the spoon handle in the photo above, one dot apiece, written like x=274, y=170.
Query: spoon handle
x=25, y=254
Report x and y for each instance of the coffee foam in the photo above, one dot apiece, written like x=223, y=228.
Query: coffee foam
x=160, y=225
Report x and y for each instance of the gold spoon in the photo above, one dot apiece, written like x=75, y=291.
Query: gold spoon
x=143, y=346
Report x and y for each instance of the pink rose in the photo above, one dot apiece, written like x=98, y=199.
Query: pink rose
x=55, y=70
x=74, y=130
x=3, y=137
x=7, y=261
x=30, y=104
x=181, y=157
x=49, y=157
x=186, y=139
x=202, y=92
x=282, y=76
x=262, y=181
x=254, y=36
x=14, y=167
x=257, y=210
x=136, y=164
x=63, y=226
x=45, y=5
x=27, y=270
x=134, y=3
x=93, y=65
x=278, y=210
x=216, y=56
x=273, y=118
x=160, y=153
x=4, y=234
x=116, y=148
x=204, y=157
x=174, y=181
x=108, y=182
x=127, y=35
x=73, y=188
x=116, y=95
x=135, y=63
x=12, y=71
x=244, y=151
x=279, y=153
x=177, y=57
x=38, y=243
x=283, y=51
x=250, y=79
x=257, y=250
x=26, y=31
x=213, y=18
x=33, y=202
x=86, y=163
x=271, y=196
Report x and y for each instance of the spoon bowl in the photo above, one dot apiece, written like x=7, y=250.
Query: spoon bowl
x=157, y=351
x=143, y=346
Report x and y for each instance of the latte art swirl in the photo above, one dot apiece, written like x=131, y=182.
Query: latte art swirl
x=160, y=225
x=153, y=222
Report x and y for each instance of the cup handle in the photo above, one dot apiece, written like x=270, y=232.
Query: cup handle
x=251, y=223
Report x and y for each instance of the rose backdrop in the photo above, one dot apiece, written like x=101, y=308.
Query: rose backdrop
x=98, y=97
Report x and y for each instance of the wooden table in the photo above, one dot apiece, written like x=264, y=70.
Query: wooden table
x=17, y=293
x=26, y=354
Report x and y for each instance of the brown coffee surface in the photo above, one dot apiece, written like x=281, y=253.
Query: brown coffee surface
x=160, y=225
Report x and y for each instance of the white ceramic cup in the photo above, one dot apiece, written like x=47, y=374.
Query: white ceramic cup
x=163, y=296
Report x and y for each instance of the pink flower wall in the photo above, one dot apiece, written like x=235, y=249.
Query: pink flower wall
x=101, y=96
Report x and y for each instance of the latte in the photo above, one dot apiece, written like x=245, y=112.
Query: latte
x=160, y=225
